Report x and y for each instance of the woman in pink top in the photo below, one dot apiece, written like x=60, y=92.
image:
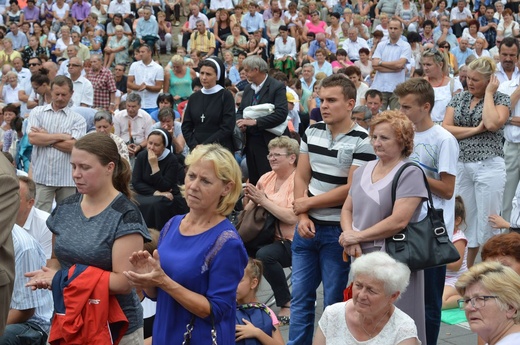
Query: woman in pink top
x=316, y=25
x=275, y=192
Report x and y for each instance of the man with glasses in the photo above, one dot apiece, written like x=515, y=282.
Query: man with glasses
x=83, y=95
x=35, y=65
x=72, y=51
x=462, y=51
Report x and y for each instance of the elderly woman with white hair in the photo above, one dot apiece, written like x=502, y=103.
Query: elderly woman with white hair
x=370, y=317
x=117, y=48
x=491, y=299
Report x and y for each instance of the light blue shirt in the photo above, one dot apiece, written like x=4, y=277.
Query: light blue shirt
x=460, y=55
x=251, y=24
x=388, y=51
x=326, y=68
x=147, y=28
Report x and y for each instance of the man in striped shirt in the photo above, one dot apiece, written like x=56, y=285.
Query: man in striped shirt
x=53, y=129
x=330, y=152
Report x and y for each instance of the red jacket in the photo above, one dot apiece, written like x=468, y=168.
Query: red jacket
x=85, y=313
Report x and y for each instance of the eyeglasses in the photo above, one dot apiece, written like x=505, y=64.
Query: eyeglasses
x=34, y=64
x=276, y=155
x=476, y=302
x=73, y=65
x=445, y=47
x=357, y=119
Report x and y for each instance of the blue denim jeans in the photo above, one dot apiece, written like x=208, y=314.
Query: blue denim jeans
x=315, y=260
x=23, y=333
x=433, y=289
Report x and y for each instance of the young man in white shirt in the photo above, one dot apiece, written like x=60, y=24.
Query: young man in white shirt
x=436, y=151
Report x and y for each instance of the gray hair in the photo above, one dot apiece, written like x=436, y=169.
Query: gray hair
x=200, y=21
x=11, y=74
x=256, y=62
x=103, y=115
x=363, y=109
x=76, y=48
x=308, y=64
x=394, y=275
x=134, y=97
x=97, y=56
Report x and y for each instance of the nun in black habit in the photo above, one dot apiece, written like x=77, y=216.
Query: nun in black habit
x=155, y=181
x=210, y=114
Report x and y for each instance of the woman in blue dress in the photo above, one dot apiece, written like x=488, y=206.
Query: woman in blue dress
x=200, y=259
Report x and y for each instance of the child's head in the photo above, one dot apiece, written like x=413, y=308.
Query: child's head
x=250, y=282
x=152, y=245
x=290, y=101
x=181, y=51
x=460, y=211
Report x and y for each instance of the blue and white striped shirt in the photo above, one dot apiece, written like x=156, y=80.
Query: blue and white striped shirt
x=29, y=256
x=50, y=166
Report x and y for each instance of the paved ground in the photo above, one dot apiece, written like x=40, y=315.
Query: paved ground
x=449, y=335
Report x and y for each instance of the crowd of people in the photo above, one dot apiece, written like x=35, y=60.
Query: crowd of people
x=135, y=146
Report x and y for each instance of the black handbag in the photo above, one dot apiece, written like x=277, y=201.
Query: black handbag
x=424, y=244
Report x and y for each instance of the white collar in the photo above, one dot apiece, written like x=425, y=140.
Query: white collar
x=257, y=88
x=212, y=90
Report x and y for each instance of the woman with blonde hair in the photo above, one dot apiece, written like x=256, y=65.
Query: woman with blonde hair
x=436, y=71
x=177, y=81
x=491, y=299
x=117, y=48
x=194, y=252
x=476, y=117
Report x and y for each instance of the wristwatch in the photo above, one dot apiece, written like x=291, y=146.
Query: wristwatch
x=380, y=62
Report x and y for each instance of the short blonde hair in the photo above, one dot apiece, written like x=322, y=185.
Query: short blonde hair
x=226, y=169
x=402, y=126
x=177, y=59
x=499, y=280
x=483, y=65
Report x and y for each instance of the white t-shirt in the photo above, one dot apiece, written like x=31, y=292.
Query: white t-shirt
x=360, y=93
x=147, y=74
x=443, y=95
x=436, y=150
x=60, y=11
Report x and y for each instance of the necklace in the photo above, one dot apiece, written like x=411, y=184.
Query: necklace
x=371, y=334
x=442, y=81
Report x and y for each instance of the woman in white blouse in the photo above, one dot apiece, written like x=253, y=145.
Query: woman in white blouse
x=285, y=52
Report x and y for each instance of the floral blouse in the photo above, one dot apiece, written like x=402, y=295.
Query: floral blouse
x=480, y=146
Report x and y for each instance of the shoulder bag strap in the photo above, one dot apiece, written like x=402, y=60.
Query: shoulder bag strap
x=396, y=180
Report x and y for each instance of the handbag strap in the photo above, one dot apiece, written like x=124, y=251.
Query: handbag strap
x=396, y=181
x=189, y=329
